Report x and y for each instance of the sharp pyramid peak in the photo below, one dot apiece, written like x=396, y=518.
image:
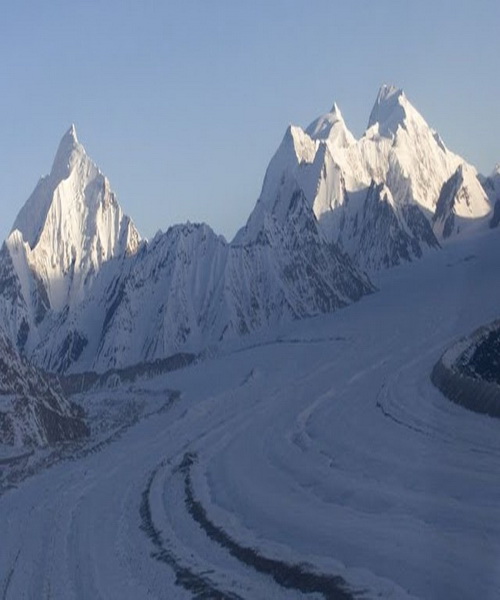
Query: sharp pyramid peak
x=69, y=140
x=331, y=126
x=31, y=218
x=68, y=152
x=335, y=110
x=390, y=110
x=336, y=114
x=70, y=134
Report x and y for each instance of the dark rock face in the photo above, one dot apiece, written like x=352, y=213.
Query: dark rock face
x=72, y=347
x=60, y=427
x=491, y=186
x=419, y=226
x=33, y=411
x=446, y=202
x=472, y=379
x=474, y=394
x=382, y=227
x=485, y=360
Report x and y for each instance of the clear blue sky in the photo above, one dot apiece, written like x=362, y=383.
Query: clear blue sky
x=183, y=103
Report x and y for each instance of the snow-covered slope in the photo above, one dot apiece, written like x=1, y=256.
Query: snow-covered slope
x=189, y=289
x=32, y=412
x=376, y=196
x=289, y=269
x=164, y=301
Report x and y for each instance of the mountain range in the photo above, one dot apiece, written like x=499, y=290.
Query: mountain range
x=80, y=290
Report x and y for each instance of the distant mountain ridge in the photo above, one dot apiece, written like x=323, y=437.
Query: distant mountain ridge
x=80, y=290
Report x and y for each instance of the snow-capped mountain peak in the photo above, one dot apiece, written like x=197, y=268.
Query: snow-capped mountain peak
x=331, y=127
x=391, y=110
x=31, y=219
x=68, y=153
x=72, y=224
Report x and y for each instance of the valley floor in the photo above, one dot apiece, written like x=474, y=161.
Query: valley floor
x=323, y=464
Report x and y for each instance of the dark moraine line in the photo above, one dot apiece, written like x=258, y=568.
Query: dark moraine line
x=9, y=576
x=201, y=587
x=290, y=576
x=12, y=460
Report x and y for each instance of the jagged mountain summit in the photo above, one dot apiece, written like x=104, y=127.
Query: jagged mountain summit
x=79, y=290
x=375, y=197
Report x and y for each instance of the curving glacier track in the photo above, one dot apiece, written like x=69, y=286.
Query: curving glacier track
x=321, y=465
